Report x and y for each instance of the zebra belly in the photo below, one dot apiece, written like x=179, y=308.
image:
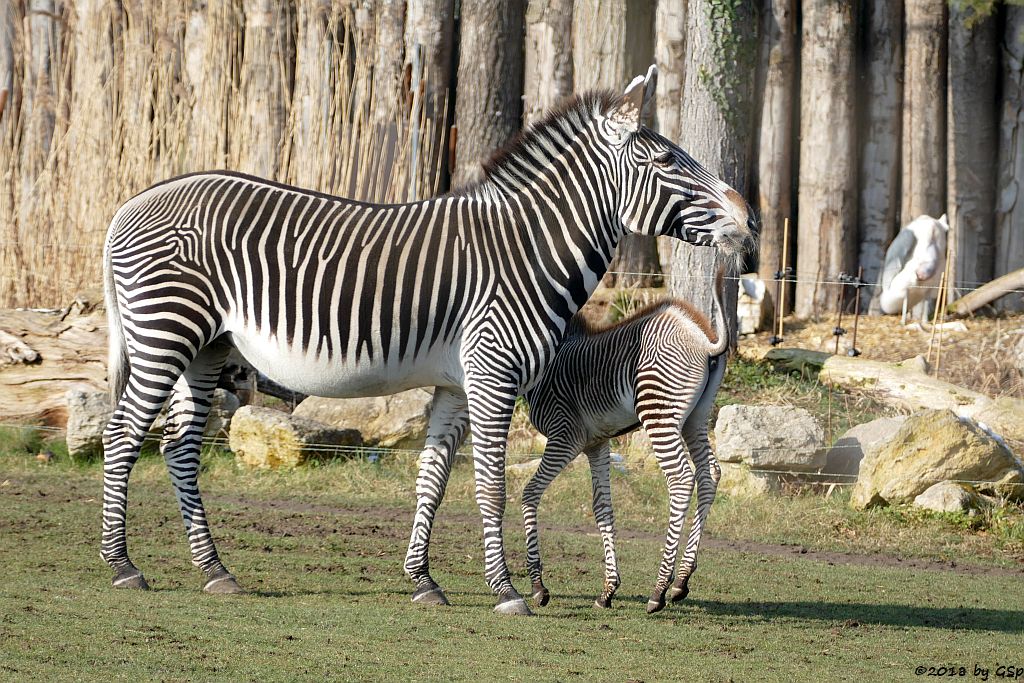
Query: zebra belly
x=346, y=377
x=613, y=420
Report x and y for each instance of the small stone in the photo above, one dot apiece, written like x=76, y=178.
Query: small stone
x=948, y=496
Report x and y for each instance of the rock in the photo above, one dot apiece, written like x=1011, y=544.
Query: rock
x=263, y=438
x=528, y=467
x=777, y=438
x=753, y=307
x=737, y=480
x=396, y=421
x=90, y=411
x=934, y=446
x=1004, y=416
x=949, y=496
x=846, y=453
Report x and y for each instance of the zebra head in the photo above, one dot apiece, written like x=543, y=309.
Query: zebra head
x=664, y=191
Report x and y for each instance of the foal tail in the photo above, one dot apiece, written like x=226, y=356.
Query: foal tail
x=721, y=345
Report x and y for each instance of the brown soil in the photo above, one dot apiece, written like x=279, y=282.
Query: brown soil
x=982, y=358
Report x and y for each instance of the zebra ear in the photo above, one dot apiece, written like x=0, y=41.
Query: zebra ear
x=637, y=98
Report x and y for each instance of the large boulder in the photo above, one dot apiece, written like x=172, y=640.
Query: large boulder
x=934, y=446
x=779, y=438
x=264, y=438
x=396, y=421
x=737, y=480
x=89, y=412
x=846, y=453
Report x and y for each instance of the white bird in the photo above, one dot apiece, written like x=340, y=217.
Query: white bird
x=913, y=266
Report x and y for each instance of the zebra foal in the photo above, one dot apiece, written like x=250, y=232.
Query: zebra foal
x=660, y=368
x=469, y=293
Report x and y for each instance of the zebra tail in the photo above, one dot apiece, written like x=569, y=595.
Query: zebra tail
x=721, y=324
x=117, y=352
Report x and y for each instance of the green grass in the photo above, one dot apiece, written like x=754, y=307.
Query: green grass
x=322, y=551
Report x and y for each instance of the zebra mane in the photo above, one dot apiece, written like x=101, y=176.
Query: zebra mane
x=579, y=325
x=537, y=141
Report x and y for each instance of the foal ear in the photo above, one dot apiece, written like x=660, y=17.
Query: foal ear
x=629, y=115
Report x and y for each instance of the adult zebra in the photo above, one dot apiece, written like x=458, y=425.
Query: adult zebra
x=469, y=292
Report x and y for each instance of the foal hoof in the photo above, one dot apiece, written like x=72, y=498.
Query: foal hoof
x=515, y=606
x=130, y=578
x=541, y=596
x=603, y=602
x=679, y=591
x=655, y=605
x=222, y=583
x=430, y=595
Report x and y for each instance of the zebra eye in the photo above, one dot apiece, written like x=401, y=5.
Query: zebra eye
x=664, y=159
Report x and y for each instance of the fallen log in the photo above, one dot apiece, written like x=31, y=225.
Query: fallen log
x=989, y=292
x=905, y=386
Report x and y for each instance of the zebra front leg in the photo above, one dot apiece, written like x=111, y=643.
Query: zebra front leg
x=708, y=474
x=449, y=418
x=135, y=413
x=600, y=476
x=490, y=411
x=181, y=446
x=558, y=453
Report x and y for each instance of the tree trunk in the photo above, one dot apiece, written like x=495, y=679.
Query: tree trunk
x=613, y=41
x=775, y=143
x=388, y=95
x=828, y=173
x=7, y=42
x=211, y=63
x=716, y=124
x=429, y=31
x=1010, y=204
x=488, y=105
x=670, y=56
x=548, y=73
x=311, y=106
x=878, y=208
x=973, y=131
x=256, y=143
x=39, y=96
x=924, y=110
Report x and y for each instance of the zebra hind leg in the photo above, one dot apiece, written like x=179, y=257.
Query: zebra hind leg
x=600, y=475
x=133, y=416
x=449, y=419
x=558, y=453
x=708, y=474
x=181, y=445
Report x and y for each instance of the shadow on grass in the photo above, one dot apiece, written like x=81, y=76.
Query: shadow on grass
x=853, y=614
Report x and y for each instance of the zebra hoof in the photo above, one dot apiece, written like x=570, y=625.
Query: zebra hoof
x=679, y=592
x=130, y=578
x=655, y=605
x=430, y=595
x=541, y=596
x=222, y=583
x=603, y=602
x=514, y=606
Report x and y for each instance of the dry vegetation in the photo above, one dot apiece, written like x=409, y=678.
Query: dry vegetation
x=88, y=125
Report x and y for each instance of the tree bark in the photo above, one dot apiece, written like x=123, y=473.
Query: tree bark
x=991, y=291
x=881, y=120
x=827, y=223
x=613, y=41
x=973, y=130
x=488, y=104
x=548, y=72
x=429, y=31
x=311, y=106
x=211, y=65
x=924, y=110
x=264, y=92
x=775, y=141
x=1010, y=202
x=388, y=94
x=39, y=97
x=670, y=56
x=716, y=124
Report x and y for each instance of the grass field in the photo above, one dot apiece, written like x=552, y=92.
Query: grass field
x=321, y=550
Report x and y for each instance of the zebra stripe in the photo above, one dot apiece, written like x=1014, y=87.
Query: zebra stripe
x=469, y=292
x=659, y=368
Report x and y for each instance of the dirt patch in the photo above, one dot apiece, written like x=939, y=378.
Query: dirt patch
x=394, y=521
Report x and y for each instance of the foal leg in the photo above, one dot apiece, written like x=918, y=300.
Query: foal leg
x=181, y=445
x=558, y=453
x=600, y=477
x=449, y=418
